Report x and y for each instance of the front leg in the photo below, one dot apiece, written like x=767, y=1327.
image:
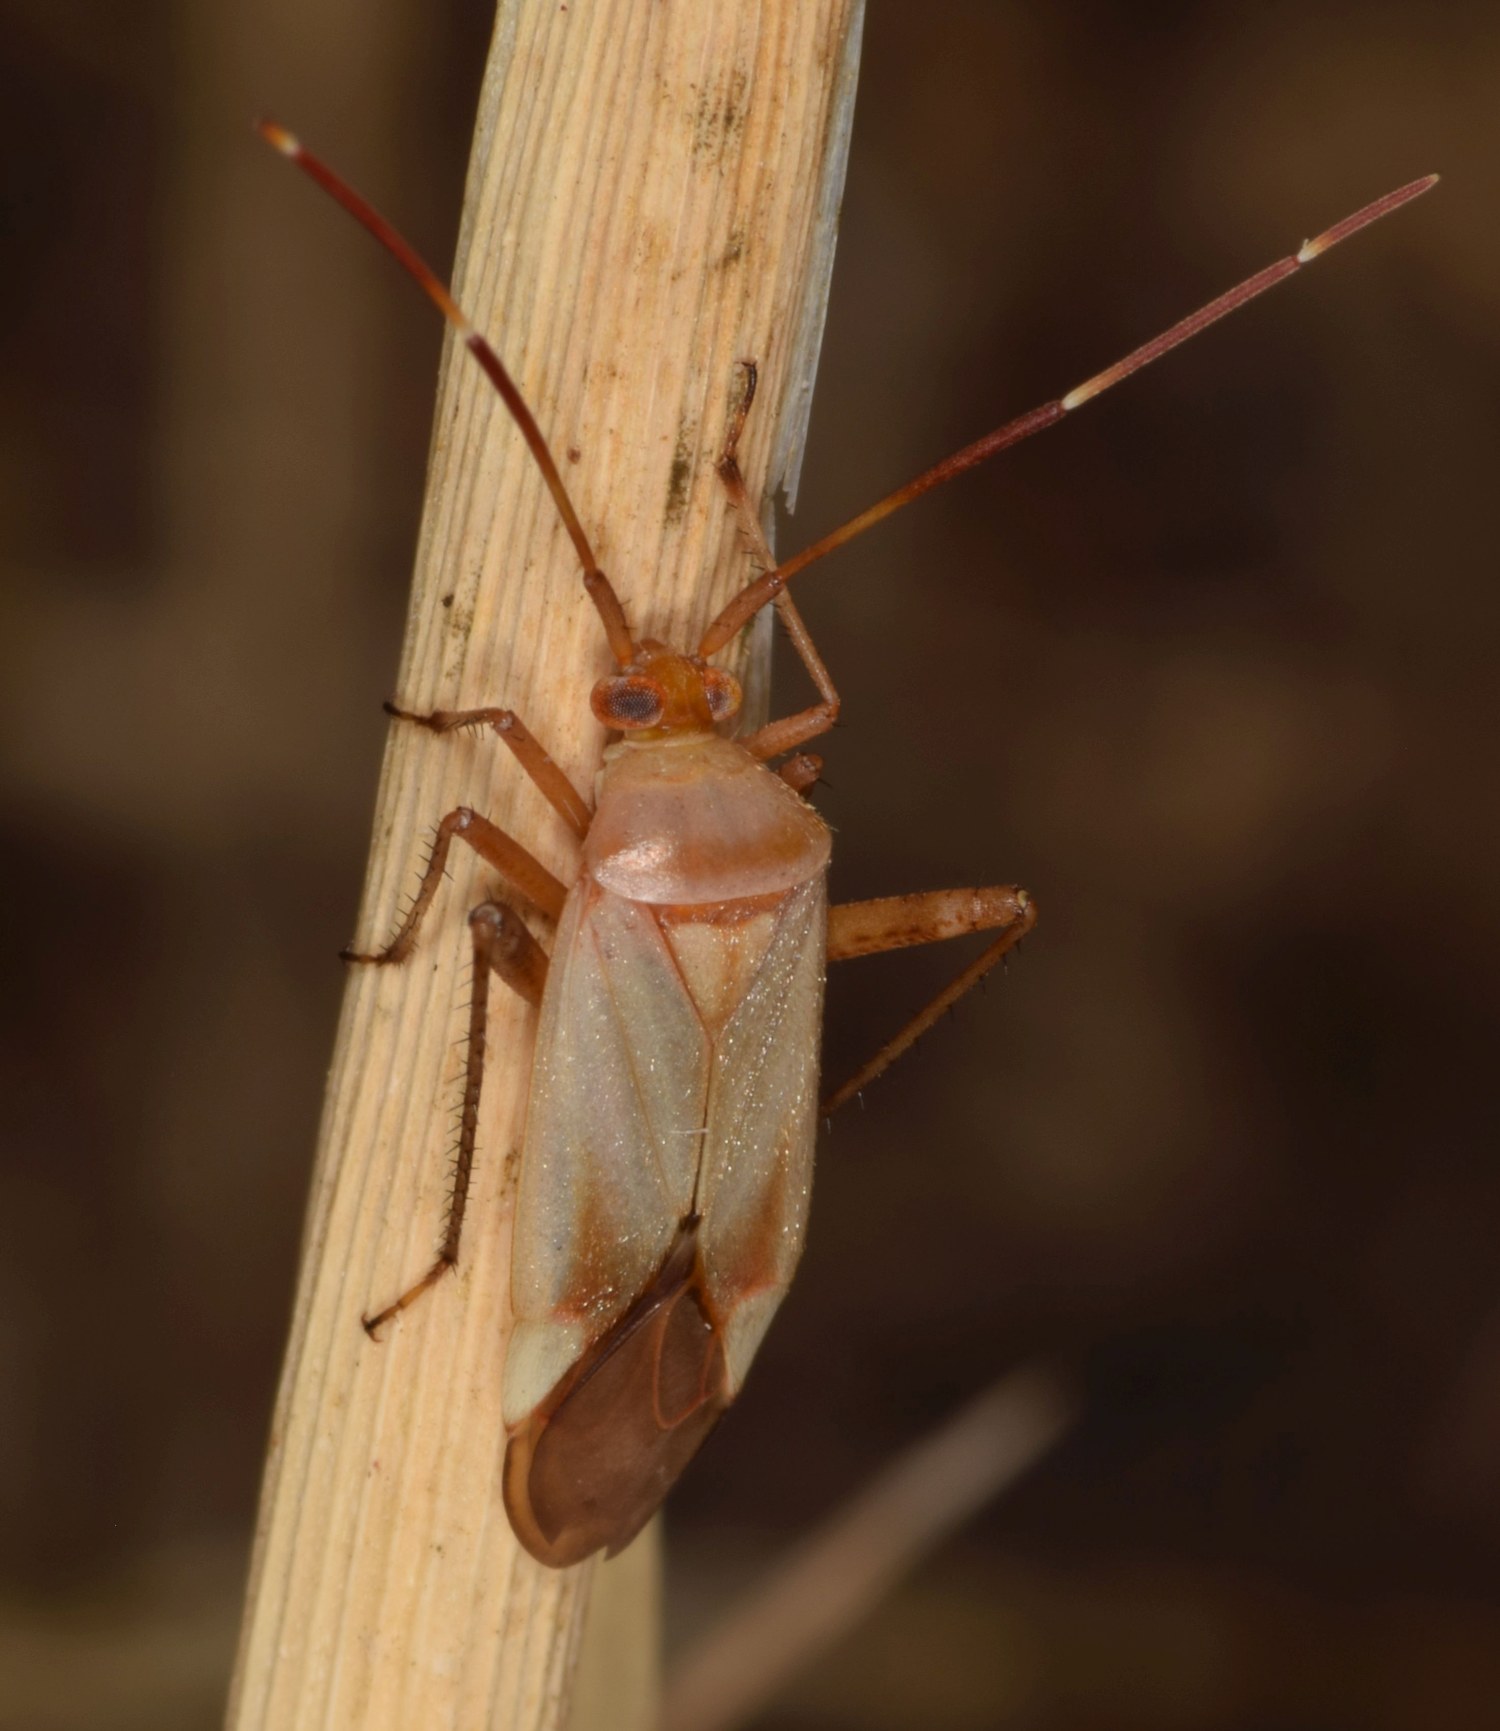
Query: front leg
x=792, y=730
x=897, y=922
x=534, y=758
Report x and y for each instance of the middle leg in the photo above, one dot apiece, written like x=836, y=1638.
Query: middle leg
x=523, y=873
x=897, y=922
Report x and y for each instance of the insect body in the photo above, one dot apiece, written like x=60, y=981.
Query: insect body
x=666, y=1169
x=668, y=1159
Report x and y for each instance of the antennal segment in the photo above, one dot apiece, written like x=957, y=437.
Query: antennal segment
x=766, y=588
x=600, y=590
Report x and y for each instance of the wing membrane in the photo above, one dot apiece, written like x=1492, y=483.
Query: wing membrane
x=593, y=1462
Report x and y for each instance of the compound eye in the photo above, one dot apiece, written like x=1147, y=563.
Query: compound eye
x=723, y=693
x=628, y=701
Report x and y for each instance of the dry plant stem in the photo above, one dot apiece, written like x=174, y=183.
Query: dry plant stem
x=843, y=1571
x=650, y=201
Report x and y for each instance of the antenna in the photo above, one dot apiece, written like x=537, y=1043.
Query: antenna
x=767, y=587
x=601, y=591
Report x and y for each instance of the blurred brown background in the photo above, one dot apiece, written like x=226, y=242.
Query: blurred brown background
x=1210, y=669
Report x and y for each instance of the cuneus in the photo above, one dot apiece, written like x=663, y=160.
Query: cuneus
x=667, y=1162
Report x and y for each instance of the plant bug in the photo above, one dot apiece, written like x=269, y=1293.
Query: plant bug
x=667, y=1162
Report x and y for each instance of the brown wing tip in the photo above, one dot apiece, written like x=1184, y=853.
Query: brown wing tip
x=591, y=1465
x=559, y=1550
x=596, y=1488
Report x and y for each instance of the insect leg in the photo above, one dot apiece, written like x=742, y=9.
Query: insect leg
x=523, y=874
x=503, y=946
x=792, y=730
x=894, y=922
x=553, y=784
x=801, y=772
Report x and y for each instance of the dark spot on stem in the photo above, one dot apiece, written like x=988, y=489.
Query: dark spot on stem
x=678, y=478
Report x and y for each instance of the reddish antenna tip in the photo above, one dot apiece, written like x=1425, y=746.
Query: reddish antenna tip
x=621, y=643
x=279, y=138
x=1312, y=249
x=755, y=595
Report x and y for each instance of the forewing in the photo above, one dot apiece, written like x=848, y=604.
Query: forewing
x=618, y=1089
x=762, y=1121
x=592, y=1464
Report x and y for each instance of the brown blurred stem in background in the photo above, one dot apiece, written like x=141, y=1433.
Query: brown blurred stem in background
x=650, y=199
x=840, y=1573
